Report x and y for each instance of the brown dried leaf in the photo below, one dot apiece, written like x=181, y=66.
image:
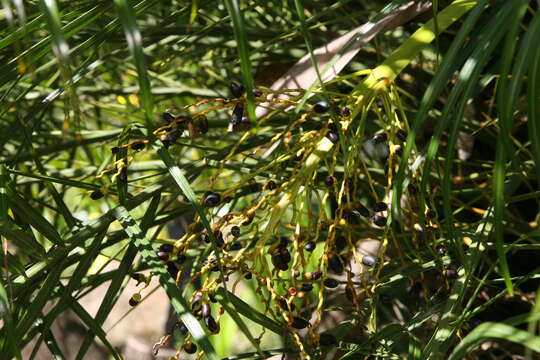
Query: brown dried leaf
x=303, y=75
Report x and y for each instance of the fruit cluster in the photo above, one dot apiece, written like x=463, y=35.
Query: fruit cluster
x=294, y=225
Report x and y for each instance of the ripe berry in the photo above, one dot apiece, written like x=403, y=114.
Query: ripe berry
x=257, y=92
x=401, y=135
x=379, y=138
x=345, y=111
x=271, y=185
x=235, y=231
x=332, y=136
x=211, y=199
x=299, y=323
x=321, y=107
x=379, y=220
x=450, y=271
x=96, y=195
x=162, y=255
x=306, y=287
x=315, y=275
x=327, y=339
x=211, y=324
x=237, y=90
x=331, y=283
x=380, y=206
x=135, y=300
x=398, y=150
x=190, y=347
x=362, y=210
x=283, y=305
x=369, y=260
x=206, y=310
x=237, y=114
x=329, y=180
x=236, y=246
x=166, y=247
x=248, y=276
x=310, y=246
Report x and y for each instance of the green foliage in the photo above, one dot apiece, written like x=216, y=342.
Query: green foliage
x=121, y=112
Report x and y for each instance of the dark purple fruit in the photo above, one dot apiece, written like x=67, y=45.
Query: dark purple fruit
x=315, y=275
x=166, y=248
x=248, y=276
x=450, y=271
x=306, y=287
x=139, y=145
x=331, y=283
x=299, y=323
x=206, y=310
x=369, y=260
x=327, y=339
x=271, y=185
x=329, y=180
x=237, y=114
x=345, y=111
x=398, y=150
x=257, y=92
x=134, y=300
x=190, y=347
x=310, y=246
x=380, y=206
x=162, y=255
x=362, y=210
x=379, y=138
x=236, y=246
x=218, y=237
x=283, y=305
x=332, y=136
x=211, y=324
x=96, y=195
x=211, y=199
x=235, y=231
x=379, y=220
x=401, y=135
x=321, y=107
x=237, y=90
x=196, y=304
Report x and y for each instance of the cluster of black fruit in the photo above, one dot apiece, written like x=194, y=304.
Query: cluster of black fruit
x=204, y=311
x=176, y=125
x=281, y=256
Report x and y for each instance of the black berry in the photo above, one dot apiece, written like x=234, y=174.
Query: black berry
x=401, y=135
x=380, y=206
x=332, y=136
x=235, y=231
x=331, y=283
x=212, y=199
x=345, y=111
x=190, y=347
x=321, y=107
x=237, y=90
x=379, y=220
x=310, y=246
x=299, y=323
x=379, y=138
x=96, y=195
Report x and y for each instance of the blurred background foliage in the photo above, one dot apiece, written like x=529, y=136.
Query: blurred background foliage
x=94, y=182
